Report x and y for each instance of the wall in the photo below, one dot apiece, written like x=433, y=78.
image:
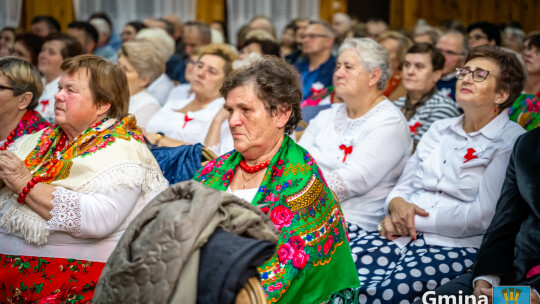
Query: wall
x=404, y=13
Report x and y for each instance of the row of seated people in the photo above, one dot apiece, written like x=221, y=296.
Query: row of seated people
x=365, y=160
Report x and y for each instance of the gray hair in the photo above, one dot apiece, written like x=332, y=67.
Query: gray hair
x=158, y=37
x=372, y=55
x=465, y=47
x=144, y=57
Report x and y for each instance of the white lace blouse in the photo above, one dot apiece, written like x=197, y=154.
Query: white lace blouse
x=378, y=146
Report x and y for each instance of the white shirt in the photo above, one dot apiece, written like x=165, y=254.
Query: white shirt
x=381, y=145
x=459, y=195
x=160, y=88
x=246, y=194
x=173, y=123
x=143, y=105
x=180, y=91
x=45, y=105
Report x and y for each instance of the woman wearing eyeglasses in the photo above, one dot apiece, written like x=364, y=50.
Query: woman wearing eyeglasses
x=445, y=199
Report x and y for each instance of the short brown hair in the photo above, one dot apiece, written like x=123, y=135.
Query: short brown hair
x=72, y=47
x=23, y=77
x=511, y=77
x=107, y=82
x=275, y=82
x=437, y=58
x=221, y=50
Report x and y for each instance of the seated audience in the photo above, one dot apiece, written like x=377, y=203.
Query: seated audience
x=453, y=45
x=375, y=27
x=525, y=109
x=85, y=33
x=288, y=41
x=342, y=25
x=79, y=184
x=318, y=63
x=183, y=90
x=162, y=86
x=7, y=40
x=186, y=121
x=44, y=25
x=115, y=41
x=397, y=45
x=513, y=38
x=272, y=172
x=142, y=64
x=27, y=47
x=509, y=253
x=444, y=201
x=131, y=29
x=483, y=33
x=262, y=22
x=423, y=104
x=56, y=48
x=427, y=34
x=103, y=48
x=20, y=88
x=361, y=145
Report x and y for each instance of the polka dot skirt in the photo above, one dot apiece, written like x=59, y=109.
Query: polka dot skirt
x=390, y=274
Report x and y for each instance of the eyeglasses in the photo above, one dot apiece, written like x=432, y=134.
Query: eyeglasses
x=478, y=75
x=311, y=36
x=451, y=53
x=5, y=88
x=476, y=37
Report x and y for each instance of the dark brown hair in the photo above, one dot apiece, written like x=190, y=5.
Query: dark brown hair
x=72, y=47
x=107, y=82
x=276, y=84
x=511, y=77
x=437, y=58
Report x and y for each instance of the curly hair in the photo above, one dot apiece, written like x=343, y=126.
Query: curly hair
x=276, y=84
x=511, y=76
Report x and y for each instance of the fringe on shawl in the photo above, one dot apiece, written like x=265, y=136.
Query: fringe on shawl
x=24, y=222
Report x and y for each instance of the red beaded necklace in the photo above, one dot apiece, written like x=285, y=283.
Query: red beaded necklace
x=255, y=168
x=11, y=137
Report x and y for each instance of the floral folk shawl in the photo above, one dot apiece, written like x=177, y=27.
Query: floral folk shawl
x=313, y=245
x=30, y=123
x=526, y=111
x=106, y=156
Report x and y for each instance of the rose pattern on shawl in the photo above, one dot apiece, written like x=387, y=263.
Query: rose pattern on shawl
x=328, y=244
x=285, y=252
x=208, y=168
x=300, y=259
x=281, y=217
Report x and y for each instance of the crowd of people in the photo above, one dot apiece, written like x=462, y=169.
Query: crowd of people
x=391, y=162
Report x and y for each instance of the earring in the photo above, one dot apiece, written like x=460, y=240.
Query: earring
x=495, y=108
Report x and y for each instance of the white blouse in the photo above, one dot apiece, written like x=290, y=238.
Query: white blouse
x=79, y=221
x=45, y=105
x=381, y=144
x=143, y=105
x=457, y=178
x=160, y=88
x=191, y=127
x=180, y=91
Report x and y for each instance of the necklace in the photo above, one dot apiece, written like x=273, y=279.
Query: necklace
x=11, y=137
x=255, y=168
x=247, y=180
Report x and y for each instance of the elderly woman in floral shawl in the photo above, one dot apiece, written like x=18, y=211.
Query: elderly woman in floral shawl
x=271, y=171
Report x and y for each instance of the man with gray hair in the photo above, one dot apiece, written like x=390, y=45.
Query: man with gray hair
x=317, y=66
x=196, y=34
x=453, y=45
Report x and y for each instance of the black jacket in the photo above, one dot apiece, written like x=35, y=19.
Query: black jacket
x=511, y=245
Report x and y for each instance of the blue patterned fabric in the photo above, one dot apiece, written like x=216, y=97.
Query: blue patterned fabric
x=390, y=274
